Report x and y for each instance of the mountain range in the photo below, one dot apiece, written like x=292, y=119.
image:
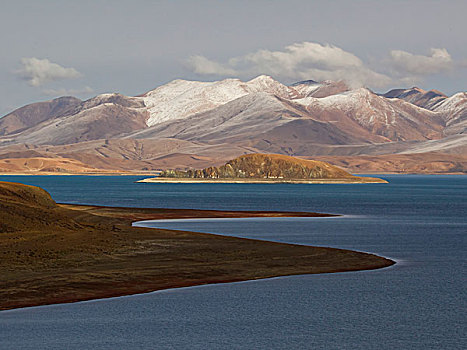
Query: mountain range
x=186, y=124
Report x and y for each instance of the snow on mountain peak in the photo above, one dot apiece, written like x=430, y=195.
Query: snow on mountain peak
x=455, y=104
x=262, y=77
x=264, y=81
x=310, y=88
x=182, y=98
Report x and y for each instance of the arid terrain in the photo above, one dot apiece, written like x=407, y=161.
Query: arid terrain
x=64, y=253
x=266, y=168
x=193, y=124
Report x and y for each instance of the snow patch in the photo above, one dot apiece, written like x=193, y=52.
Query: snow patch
x=182, y=98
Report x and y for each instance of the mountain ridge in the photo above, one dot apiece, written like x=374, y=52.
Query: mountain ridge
x=307, y=118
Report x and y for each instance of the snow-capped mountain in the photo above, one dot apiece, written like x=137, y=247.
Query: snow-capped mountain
x=181, y=98
x=311, y=88
x=192, y=121
x=454, y=110
x=417, y=96
x=396, y=120
x=72, y=120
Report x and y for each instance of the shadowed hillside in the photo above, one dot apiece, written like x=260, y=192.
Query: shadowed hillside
x=30, y=208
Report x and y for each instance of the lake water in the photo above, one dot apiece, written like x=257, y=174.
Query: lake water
x=419, y=221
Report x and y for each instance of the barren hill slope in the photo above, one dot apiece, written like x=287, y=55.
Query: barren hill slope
x=268, y=166
x=191, y=123
x=31, y=209
x=36, y=113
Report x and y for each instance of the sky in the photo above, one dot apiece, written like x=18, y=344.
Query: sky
x=83, y=48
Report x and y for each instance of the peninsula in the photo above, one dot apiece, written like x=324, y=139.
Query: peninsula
x=265, y=168
x=58, y=253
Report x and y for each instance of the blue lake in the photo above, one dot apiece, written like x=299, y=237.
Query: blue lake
x=419, y=221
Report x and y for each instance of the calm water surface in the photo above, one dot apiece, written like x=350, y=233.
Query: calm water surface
x=420, y=221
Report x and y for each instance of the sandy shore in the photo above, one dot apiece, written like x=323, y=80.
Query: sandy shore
x=67, y=253
x=356, y=180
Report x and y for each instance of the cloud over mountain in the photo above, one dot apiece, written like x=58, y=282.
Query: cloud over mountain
x=438, y=61
x=202, y=65
x=311, y=60
x=298, y=61
x=40, y=71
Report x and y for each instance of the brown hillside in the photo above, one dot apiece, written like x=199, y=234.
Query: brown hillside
x=30, y=208
x=419, y=163
x=269, y=166
x=39, y=165
x=278, y=165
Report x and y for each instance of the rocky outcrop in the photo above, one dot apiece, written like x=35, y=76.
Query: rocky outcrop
x=265, y=166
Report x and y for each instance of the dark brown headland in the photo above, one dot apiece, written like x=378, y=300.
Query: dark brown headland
x=266, y=168
x=56, y=253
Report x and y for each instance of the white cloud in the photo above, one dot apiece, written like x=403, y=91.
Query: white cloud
x=362, y=76
x=68, y=92
x=305, y=54
x=306, y=60
x=419, y=65
x=202, y=65
x=39, y=71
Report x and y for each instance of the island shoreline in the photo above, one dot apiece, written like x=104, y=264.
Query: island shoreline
x=357, y=180
x=154, y=174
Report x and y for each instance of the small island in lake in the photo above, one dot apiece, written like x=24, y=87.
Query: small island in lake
x=266, y=168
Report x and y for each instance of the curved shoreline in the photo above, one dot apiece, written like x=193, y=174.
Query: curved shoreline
x=136, y=223
x=100, y=255
x=396, y=262
x=337, y=216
